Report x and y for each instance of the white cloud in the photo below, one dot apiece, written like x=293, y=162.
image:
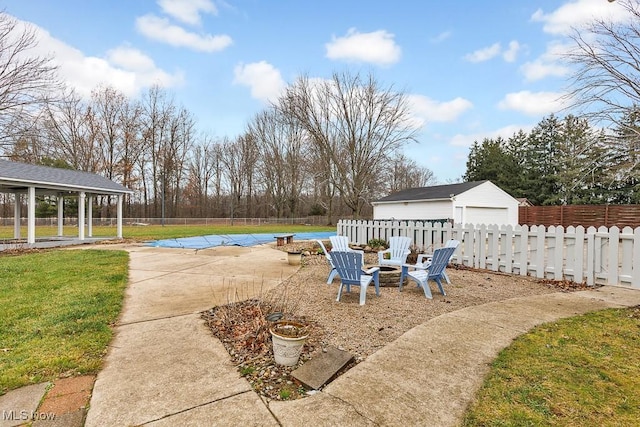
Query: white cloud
x=533, y=103
x=540, y=69
x=264, y=79
x=425, y=110
x=188, y=11
x=377, y=47
x=441, y=37
x=130, y=59
x=162, y=30
x=547, y=64
x=506, y=132
x=484, y=54
x=577, y=13
x=511, y=54
x=124, y=68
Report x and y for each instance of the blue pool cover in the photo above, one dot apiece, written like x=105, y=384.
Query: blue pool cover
x=203, y=242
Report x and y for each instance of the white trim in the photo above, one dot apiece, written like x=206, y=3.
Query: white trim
x=119, y=217
x=81, y=209
x=90, y=215
x=31, y=216
x=60, y=216
x=17, y=215
x=448, y=199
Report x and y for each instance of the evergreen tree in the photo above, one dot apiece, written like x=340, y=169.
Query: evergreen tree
x=491, y=161
x=624, y=159
x=541, y=167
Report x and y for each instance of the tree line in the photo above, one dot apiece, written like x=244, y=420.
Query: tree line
x=324, y=147
x=563, y=161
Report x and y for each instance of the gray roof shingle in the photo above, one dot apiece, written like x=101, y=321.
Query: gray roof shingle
x=19, y=175
x=430, y=193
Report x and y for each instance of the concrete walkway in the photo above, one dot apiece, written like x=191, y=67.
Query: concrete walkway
x=164, y=368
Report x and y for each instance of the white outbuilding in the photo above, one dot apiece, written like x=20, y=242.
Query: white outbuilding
x=478, y=202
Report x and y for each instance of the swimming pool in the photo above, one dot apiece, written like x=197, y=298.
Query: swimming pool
x=203, y=242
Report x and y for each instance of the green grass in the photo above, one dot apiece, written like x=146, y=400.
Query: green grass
x=581, y=371
x=155, y=232
x=56, y=308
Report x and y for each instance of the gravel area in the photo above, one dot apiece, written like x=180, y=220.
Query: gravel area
x=360, y=330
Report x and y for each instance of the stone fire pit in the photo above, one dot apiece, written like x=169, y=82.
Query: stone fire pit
x=389, y=275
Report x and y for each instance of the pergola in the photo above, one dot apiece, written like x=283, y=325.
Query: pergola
x=23, y=179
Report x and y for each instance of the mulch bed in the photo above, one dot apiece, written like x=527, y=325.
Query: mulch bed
x=243, y=329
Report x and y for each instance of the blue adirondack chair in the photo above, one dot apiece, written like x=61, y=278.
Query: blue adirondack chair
x=426, y=258
x=349, y=268
x=433, y=270
x=333, y=271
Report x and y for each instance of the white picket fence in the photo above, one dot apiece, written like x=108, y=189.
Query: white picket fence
x=592, y=256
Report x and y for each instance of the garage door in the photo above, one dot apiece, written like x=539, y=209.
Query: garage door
x=487, y=216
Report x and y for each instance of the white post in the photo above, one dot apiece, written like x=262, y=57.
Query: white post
x=17, y=216
x=507, y=249
x=612, y=262
x=81, y=209
x=523, y=255
x=635, y=275
x=31, y=216
x=558, y=253
x=60, y=216
x=90, y=215
x=494, y=247
x=590, y=270
x=119, y=217
x=540, y=244
x=578, y=266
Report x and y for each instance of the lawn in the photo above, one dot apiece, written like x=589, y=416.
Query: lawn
x=156, y=232
x=56, y=312
x=57, y=306
x=56, y=309
x=580, y=371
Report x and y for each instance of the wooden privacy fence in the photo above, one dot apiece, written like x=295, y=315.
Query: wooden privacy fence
x=592, y=256
x=585, y=215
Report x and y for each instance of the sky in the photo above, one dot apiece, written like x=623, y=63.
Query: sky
x=470, y=69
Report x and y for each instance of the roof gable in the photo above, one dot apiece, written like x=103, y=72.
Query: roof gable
x=16, y=175
x=431, y=193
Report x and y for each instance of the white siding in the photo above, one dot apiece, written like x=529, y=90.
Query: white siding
x=424, y=210
x=488, y=196
x=487, y=216
x=484, y=204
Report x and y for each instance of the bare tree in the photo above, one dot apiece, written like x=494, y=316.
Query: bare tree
x=68, y=130
x=180, y=141
x=404, y=173
x=131, y=149
x=156, y=114
x=356, y=124
x=249, y=156
x=200, y=176
x=281, y=143
x=605, y=87
x=27, y=81
x=234, y=164
x=606, y=58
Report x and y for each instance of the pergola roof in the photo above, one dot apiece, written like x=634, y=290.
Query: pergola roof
x=16, y=177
